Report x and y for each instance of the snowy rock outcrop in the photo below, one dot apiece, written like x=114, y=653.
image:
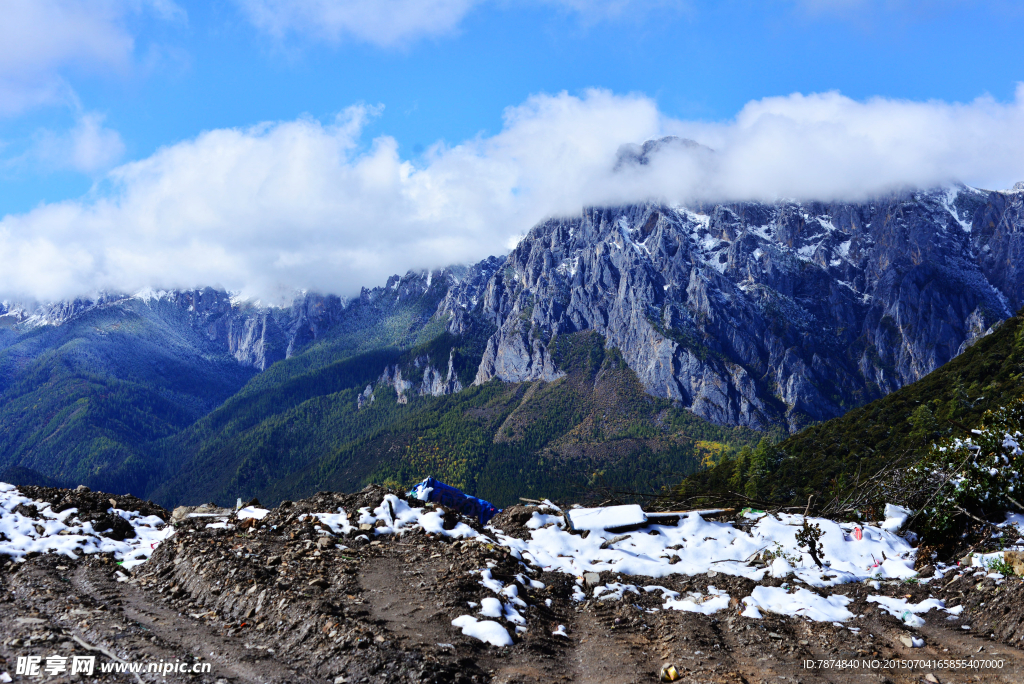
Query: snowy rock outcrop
x=757, y=314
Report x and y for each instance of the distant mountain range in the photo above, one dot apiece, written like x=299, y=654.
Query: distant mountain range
x=765, y=316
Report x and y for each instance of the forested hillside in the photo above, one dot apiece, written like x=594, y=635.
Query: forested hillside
x=80, y=402
x=825, y=459
x=593, y=432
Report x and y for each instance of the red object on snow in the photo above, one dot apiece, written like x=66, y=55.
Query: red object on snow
x=858, y=534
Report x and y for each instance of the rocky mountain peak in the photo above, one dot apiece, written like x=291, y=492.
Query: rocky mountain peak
x=764, y=313
x=641, y=155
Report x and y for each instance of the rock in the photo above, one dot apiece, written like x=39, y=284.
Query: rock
x=82, y=489
x=591, y=579
x=181, y=512
x=114, y=527
x=325, y=543
x=366, y=527
x=1015, y=559
x=911, y=641
x=926, y=571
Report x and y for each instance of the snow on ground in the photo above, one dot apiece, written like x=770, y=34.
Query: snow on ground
x=906, y=611
x=484, y=630
x=701, y=545
x=692, y=546
x=65, y=534
x=603, y=518
x=801, y=602
x=853, y=553
x=694, y=602
x=251, y=512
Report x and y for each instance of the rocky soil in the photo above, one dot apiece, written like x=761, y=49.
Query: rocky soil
x=285, y=599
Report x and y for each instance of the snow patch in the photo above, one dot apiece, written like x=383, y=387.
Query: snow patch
x=65, y=534
x=484, y=630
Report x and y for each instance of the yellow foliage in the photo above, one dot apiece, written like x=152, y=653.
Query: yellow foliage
x=709, y=453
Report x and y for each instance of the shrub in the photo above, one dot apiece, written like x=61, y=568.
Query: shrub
x=978, y=477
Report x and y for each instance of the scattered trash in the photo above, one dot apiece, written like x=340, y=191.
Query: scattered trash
x=669, y=673
x=470, y=506
x=608, y=517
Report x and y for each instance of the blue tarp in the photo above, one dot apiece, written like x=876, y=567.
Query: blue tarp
x=454, y=499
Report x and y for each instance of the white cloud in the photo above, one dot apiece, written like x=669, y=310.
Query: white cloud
x=616, y=8
x=88, y=147
x=866, y=12
x=388, y=23
x=381, y=22
x=295, y=204
x=828, y=146
x=41, y=39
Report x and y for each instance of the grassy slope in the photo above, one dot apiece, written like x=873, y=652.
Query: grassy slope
x=825, y=458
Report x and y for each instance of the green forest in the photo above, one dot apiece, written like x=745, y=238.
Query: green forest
x=829, y=458
x=593, y=433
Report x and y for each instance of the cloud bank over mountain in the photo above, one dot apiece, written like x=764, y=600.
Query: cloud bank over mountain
x=305, y=204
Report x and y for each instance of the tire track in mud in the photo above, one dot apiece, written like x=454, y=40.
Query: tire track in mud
x=174, y=635
x=288, y=602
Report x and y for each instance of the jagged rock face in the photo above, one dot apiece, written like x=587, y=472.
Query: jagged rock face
x=464, y=296
x=758, y=314
x=433, y=384
x=392, y=377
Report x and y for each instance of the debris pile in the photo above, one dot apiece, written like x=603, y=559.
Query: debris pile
x=380, y=586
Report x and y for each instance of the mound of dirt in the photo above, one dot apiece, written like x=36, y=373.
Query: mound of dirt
x=294, y=596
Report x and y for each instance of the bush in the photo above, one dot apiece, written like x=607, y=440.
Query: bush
x=809, y=539
x=977, y=477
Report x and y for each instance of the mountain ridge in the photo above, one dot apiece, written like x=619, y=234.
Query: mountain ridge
x=751, y=314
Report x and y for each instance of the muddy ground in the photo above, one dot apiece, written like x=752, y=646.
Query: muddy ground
x=265, y=605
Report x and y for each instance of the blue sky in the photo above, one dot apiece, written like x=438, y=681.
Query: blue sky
x=99, y=98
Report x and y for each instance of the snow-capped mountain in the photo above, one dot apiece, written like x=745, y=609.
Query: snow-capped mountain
x=747, y=313
x=756, y=314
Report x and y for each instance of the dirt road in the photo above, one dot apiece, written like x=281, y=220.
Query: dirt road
x=284, y=602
